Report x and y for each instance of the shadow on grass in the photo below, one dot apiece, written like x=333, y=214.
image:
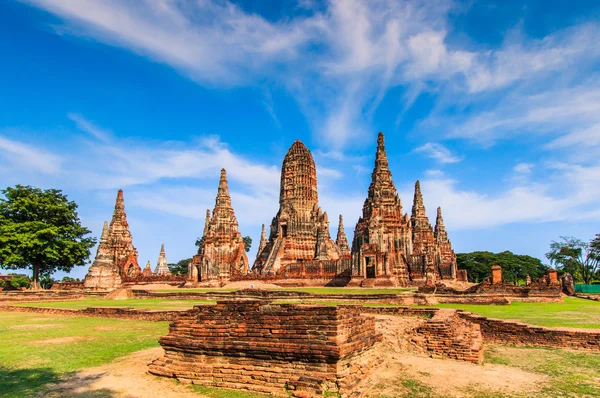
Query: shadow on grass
x=42, y=382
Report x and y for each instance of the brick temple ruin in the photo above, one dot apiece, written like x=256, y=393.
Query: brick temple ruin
x=300, y=230
x=116, y=261
x=256, y=345
x=222, y=251
x=389, y=248
x=116, y=256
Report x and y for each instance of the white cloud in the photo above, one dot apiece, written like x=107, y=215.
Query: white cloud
x=28, y=157
x=438, y=152
x=89, y=127
x=524, y=168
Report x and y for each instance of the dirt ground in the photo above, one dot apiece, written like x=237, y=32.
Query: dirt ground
x=128, y=377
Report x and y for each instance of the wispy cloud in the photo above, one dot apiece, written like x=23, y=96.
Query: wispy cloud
x=29, y=158
x=438, y=152
x=85, y=125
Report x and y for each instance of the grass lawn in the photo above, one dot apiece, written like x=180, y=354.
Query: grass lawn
x=572, y=312
x=37, y=349
x=572, y=374
x=151, y=304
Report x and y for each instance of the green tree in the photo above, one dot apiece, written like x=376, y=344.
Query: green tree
x=180, y=267
x=46, y=281
x=247, y=242
x=579, y=258
x=515, y=267
x=41, y=231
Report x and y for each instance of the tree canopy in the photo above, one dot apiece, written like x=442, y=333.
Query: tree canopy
x=579, y=258
x=247, y=242
x=40, y=230
x=515, y=267
x=180, y=267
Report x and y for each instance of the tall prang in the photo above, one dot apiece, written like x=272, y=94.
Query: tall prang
x=423, y=239
x=116, y=257
x=161, y=264
x=300, y=230
x=445, y=255
x=341, y=240
x=222, y=252
x=382, y=236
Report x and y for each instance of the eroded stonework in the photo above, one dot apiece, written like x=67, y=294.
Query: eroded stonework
x=300, y=230
x=222, y=252
x=116, y=256
x=391, y=246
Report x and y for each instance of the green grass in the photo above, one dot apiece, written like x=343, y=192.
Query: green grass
x=38, y=349
x=572, y=312
x=151, y=304
x=572, y=374
x=212, y=392
x=196, y=290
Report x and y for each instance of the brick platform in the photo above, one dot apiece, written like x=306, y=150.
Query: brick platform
x=256, y=345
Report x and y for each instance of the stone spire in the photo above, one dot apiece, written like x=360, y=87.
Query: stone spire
x=116, y=256
x=440, y=233
x=341, y=240
x=222, y=252
x=207, y=222
x=223, y=199
x=263, y=239
x=418, y=208
x=161, y=265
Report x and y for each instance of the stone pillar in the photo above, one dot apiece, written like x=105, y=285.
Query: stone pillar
x=552, y=277
x=496, y=274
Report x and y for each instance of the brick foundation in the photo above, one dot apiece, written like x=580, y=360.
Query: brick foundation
x=446, y=335
x=507, y=332
x=102, y=312
x=255, y=345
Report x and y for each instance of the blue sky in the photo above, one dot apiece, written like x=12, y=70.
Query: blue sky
x=494, y=106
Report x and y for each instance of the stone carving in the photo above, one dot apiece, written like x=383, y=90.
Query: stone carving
x=222, y=252
x=161, y=265
x=116, y=256
x=300, y=230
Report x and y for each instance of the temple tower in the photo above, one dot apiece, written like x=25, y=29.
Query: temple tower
x=161, y=264
x=423, y=237
x=300, y=230
x=116, y=257
x=445, y=256
x=222, y=252
x=341, y=240
x=382, y=236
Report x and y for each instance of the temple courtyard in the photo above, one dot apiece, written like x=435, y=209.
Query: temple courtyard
x=60, y=355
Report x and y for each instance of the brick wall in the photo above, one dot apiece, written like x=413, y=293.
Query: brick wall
x=256, y=345
x=507, y=332
x=102, y=312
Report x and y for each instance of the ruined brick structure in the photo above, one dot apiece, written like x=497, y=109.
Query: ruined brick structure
x=161, y=265
x=147, y=272
x=255, y=345
x=222, y=252
x=390, y=246
x=300, y=230
x=116, y=256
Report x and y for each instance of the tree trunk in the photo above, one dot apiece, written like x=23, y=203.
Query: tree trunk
x=35, y=285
